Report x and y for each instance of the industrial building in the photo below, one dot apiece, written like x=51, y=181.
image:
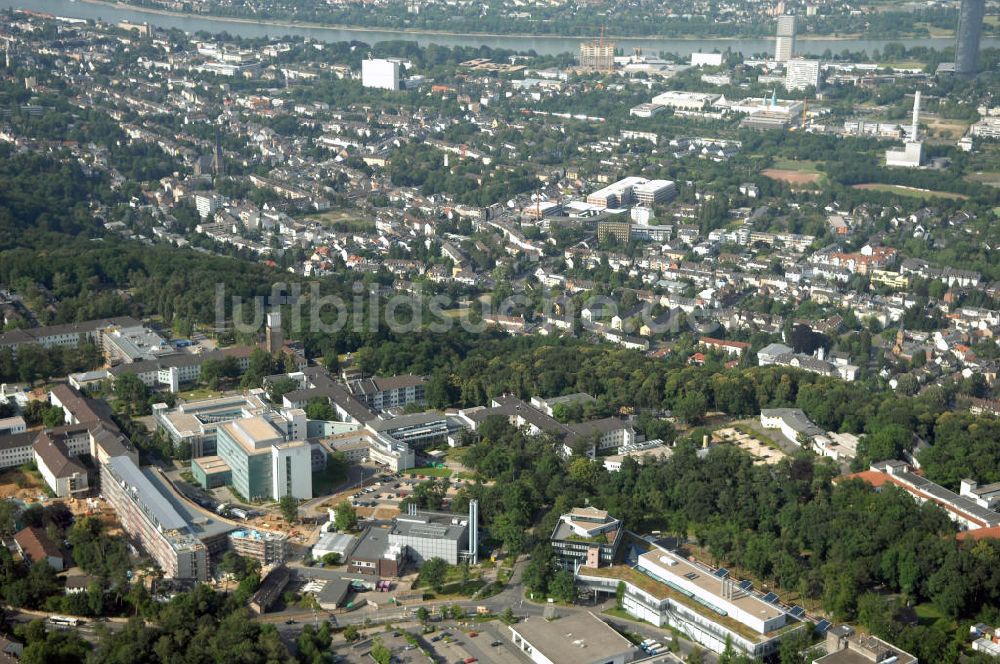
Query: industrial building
x=424, y=535
x=667, y=589
x=912, y=154
x=380, y=73
x=784, y=43
x=413, y=537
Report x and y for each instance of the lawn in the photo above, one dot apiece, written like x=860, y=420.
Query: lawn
x=928, y=615
x=429, y=471
x=910, y=192
x=343, y=220
x=199, y=393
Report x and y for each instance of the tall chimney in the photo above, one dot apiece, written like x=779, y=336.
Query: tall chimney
x=916, y=115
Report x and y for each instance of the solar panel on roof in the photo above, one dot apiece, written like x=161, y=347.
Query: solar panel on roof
x=797, y=612
x=770, y=597
x=822, y=626
x=746, y=585
x=722, y=572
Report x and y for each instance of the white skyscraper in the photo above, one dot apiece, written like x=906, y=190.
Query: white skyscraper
x=379, y=73
x=784, y=45
x=800, y=74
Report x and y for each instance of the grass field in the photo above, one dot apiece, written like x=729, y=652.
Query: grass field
x=799, y=165
x=991, y=178
x=427, y=471
x=343, y=220
x=911, y=192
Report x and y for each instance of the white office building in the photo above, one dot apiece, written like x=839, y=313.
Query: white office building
x=291, y=470
x=801, y=74
x=380, y=73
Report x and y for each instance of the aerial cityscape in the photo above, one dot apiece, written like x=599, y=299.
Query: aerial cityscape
x=557, y=332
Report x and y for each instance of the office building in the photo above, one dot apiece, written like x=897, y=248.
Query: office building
x=586, y=536
x=784, y=44
x=631, y=190
x=266, y=456
x=597, y=55
x=970, y=29
x=655, y=191
x=380, y=73
x=667, y=589
x=801, y=74
x=11, y=425
x=620, y=231
x=580, y=638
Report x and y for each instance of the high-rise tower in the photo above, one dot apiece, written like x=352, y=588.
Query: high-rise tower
x=784, y=44
x=970, y=28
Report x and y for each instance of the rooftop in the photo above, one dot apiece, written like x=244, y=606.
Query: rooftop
x=573, y=639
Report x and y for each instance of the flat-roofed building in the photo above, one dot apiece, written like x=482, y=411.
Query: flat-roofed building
x=843, y=646
x=616, y=194
x=425, y=535
x=264, y=460
x=687, y=101
x=195, y=423
x=655, y=191
x=578, y=638
x=12, y=425
x=667, y=589
x=586, y=536
x=801, y=74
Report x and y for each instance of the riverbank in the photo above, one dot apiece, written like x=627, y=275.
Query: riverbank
x=428, y=32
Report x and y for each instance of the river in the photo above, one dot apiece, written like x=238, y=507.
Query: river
x=541, y=44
